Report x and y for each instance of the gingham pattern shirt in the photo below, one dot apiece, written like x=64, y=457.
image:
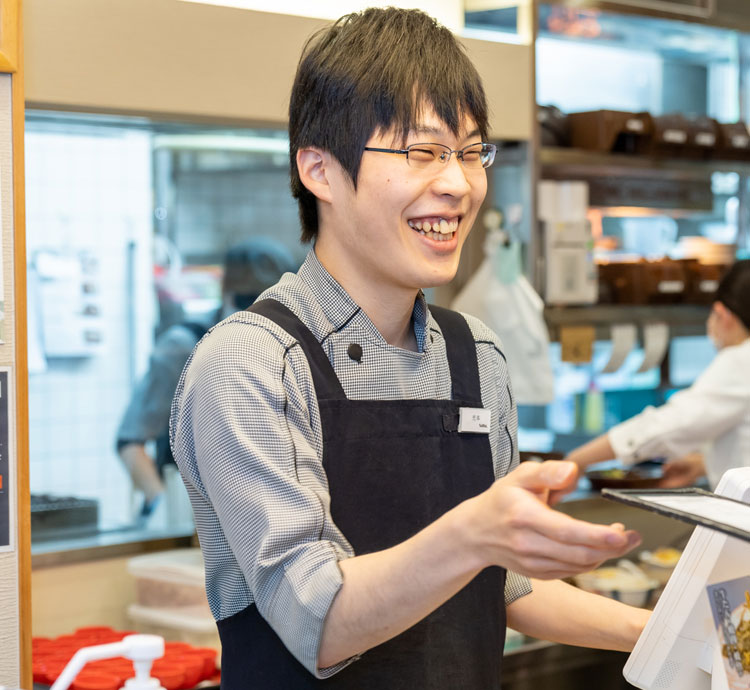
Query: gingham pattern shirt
x=246, y=434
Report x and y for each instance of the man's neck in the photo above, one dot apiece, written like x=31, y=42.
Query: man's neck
x=390, y=308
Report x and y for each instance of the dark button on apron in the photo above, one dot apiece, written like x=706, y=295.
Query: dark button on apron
x=393, y=467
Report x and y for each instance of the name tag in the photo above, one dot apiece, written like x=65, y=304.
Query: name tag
x=474, y=420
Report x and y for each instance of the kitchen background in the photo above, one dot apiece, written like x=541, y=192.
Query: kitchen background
x=133, y=216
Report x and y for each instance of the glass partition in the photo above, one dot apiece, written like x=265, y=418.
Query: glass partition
x=128, y=226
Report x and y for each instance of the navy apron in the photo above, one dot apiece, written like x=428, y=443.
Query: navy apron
x=393, y=467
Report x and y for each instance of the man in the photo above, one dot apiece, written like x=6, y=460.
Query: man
x=249, y=268
x=340, y=440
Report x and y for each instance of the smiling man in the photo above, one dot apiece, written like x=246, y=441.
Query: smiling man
x=350, y=452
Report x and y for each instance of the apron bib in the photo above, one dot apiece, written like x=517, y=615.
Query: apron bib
x=393, y=467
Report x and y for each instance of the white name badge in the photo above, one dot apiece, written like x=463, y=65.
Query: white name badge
x=475, y=420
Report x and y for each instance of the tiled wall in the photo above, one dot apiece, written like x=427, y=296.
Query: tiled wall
x=90, y=190
x=216, y=209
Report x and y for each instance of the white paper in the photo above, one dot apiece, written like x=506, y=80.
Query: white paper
x=655, y=343
x=623, y=336
x=711, y=507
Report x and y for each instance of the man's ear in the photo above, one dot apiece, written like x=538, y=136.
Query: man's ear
x=313, y=166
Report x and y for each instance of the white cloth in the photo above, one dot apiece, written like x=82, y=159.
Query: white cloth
x=712, y=416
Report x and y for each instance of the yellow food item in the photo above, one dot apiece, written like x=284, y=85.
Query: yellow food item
x=614, y=473
x=666, y=555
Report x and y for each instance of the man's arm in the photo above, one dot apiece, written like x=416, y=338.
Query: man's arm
x=141, y=468
x=559, y=612
x=510, y=525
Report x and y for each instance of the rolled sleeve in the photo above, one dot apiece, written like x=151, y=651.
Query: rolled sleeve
x=516, y=586
x=252, y=428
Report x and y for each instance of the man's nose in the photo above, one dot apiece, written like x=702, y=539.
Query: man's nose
x=453, y=178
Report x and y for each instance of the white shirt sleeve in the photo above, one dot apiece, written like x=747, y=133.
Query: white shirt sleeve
x=715, y=403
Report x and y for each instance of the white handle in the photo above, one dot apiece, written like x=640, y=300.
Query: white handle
x=142, y=649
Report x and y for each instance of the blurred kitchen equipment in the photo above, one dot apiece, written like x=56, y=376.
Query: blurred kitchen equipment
x=611, y=131
x=171, y=598
x=55, y=517
x=141, y=649
x=570, y=274
x=733, y=141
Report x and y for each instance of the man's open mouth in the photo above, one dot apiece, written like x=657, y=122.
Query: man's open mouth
x=435, y=227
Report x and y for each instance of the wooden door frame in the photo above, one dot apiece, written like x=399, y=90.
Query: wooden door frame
x=11, y=51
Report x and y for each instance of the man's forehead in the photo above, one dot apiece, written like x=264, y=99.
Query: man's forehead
x=431, y=126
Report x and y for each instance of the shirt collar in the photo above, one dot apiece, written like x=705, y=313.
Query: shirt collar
x=339, y=308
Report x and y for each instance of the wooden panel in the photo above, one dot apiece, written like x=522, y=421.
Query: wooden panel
x=187, y=61
x=9, y=35
x=22, y=387
x=71, y=596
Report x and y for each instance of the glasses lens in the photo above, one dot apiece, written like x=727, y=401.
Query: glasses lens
x=422, y=155
x=479, y=155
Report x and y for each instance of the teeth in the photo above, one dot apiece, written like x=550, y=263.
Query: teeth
x=439, y=230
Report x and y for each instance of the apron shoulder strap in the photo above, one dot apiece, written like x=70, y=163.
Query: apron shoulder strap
x=327, y=384
x=462, y=354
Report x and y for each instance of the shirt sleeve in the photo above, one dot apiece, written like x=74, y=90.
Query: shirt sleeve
x=715, y=403
x=267, y=488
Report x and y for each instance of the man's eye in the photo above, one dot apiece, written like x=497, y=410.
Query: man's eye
x=421, y=154
x=473, y=154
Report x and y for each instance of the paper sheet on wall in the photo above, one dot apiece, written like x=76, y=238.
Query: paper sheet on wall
x=655, y=343
x=623, y=336
x=2, y=294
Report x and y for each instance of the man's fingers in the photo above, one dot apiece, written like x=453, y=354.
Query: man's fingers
x=553, y=475
x=562, y=528
x=547, y=559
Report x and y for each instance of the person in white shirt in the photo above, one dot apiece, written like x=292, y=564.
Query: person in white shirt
x=704, y=429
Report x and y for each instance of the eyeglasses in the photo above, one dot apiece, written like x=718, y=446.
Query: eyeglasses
x=473, y=157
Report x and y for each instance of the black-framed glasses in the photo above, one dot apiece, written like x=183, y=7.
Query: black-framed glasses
x=473, y=156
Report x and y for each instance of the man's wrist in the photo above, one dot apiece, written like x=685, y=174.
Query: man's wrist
x=463, y=528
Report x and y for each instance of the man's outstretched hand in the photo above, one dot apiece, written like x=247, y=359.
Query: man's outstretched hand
x=512, y=525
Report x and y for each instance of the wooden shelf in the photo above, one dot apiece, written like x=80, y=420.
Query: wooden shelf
x=566, y=162
x=683, y=319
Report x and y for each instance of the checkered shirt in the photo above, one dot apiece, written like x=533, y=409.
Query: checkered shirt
x=246, y=434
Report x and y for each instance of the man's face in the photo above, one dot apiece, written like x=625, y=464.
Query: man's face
x=378, y=235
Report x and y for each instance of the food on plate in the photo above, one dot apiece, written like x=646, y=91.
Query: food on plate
x=625, y=582
x=666, y=556
x=660, y=562
x=625, y=478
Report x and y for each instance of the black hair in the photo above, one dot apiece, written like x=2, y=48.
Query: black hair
x=374, y=71
x=253, y=265
x=734, y=291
